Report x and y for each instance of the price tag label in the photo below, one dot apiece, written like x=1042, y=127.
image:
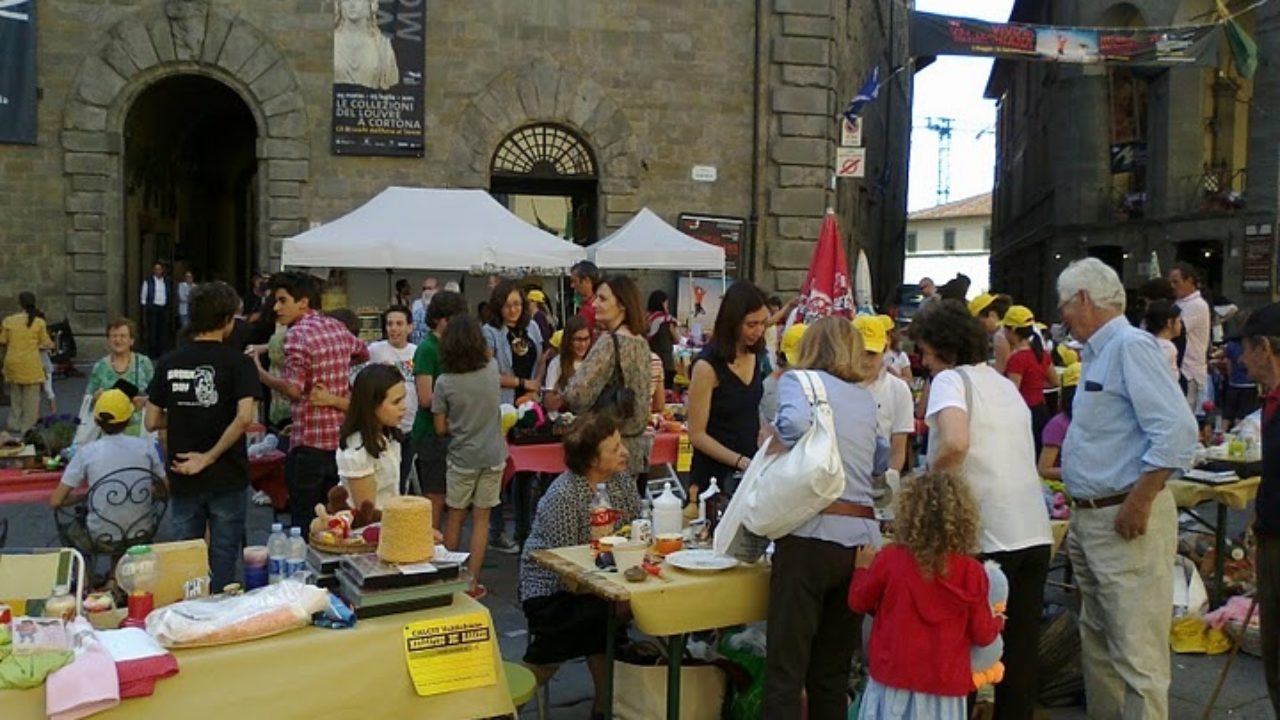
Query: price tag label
x=450, y=654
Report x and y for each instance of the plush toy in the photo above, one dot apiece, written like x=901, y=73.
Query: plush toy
x=985, y=660
x=338, y=518
x=509, y=416
x=1061, y=509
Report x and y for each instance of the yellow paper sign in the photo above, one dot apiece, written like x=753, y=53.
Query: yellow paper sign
x=450, y=654
x=684, y=460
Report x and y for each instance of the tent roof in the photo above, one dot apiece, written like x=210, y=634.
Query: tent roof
x=430, y=229
x=647, y=242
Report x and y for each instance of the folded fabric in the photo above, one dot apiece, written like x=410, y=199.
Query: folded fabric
x=86, y=686
x=138, y=677
x=20, y=672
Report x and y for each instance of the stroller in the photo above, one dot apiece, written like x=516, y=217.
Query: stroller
x=64, y=350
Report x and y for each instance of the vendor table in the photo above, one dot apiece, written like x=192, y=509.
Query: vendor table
x=35, y=486
x=670, y=609
x=1235, y=495
x=549, y=457
x=305, y=673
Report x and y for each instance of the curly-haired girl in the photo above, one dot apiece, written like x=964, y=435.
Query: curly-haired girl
x=929, y=598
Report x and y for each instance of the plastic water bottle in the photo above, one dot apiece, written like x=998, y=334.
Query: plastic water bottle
x=603, y=516
x=296, y=562
x=277, y=553
x=667, y=517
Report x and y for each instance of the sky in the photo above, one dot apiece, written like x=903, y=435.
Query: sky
x=952, y=87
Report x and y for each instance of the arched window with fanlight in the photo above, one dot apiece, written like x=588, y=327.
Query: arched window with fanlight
x=547, y=175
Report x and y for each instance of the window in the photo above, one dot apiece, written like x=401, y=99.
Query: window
x=949, y=240
x=986, y=238
x=911, y=242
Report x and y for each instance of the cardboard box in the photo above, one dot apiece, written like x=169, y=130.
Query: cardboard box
x=179, y=562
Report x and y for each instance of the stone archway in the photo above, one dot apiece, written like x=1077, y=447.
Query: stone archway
x=179, y=37
x=544, y=92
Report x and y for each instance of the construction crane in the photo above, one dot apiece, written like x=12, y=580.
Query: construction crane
x=943, y=127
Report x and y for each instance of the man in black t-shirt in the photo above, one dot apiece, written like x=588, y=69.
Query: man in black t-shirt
x=203, y=395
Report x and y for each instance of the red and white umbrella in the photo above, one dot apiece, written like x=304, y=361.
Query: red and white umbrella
x=827, y=290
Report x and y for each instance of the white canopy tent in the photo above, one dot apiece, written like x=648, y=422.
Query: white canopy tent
x=404, y=228
x=647, y=242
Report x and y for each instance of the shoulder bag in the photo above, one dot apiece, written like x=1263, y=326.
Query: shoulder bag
x=616, y=398
x=793, y=486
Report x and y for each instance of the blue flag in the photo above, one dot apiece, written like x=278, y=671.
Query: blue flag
x=869, y=91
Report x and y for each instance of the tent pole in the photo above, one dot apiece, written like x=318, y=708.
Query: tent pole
x=391, y=288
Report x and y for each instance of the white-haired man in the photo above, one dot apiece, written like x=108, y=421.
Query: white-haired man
x=1131, y=429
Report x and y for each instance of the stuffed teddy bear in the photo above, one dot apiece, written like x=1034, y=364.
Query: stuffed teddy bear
x=985, y=660
x=336, y=515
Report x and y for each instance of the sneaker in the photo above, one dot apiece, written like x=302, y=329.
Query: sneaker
x=504, y=545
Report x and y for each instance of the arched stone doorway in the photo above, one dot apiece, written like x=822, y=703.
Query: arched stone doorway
x=190, y=183
x=547, y=175
x=183, y=42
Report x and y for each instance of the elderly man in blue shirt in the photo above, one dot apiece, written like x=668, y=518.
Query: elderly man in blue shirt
x=1131, y=430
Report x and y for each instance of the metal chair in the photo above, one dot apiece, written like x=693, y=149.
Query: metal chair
x=4, y=531
x=126, y=486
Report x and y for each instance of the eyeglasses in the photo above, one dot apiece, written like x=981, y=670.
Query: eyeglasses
x=1067, y=302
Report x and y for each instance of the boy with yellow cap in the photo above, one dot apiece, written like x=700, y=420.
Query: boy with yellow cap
x=788, y=356
x=990, y=309
x=115, y=458
x=895, y=416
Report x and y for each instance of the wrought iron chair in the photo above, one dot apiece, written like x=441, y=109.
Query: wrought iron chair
x=136, y=486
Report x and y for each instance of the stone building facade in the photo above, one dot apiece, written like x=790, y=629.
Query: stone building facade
x=651, y=87
x=1203, y=171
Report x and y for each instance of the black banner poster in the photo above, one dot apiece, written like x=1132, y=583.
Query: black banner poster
x=378, y=52
x=723, y=232
x=942, y=35
x=18, y=71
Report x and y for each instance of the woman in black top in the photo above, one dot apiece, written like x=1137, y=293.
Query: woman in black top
x=726, y=387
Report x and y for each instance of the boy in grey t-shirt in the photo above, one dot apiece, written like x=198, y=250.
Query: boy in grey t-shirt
x=464, y=401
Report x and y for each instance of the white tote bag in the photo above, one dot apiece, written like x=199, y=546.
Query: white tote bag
x=732, y=537
x=795, y=485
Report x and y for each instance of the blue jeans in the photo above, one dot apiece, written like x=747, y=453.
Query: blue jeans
x=223, y=513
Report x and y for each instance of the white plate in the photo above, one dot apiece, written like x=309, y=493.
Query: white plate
x=700, y=561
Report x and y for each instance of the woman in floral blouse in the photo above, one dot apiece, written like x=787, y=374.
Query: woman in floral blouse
x=564, y=625
x=621, y=316
x=122, y=363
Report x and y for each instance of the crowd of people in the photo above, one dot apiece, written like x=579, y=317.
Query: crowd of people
x=1106, y=402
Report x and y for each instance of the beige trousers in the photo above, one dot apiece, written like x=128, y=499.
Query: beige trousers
x=24, y=407
x=1126, y=598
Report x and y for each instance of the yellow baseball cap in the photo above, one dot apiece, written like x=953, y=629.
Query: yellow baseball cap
x=556, y=338
x=790, y=345
x=874, y=338
x=113, y=406
x=889, y=324
x=1071, y=376
x=537, y=296
x=980, y=303
x=1018, y=316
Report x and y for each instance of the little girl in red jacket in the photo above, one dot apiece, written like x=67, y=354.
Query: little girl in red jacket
x=929, y=598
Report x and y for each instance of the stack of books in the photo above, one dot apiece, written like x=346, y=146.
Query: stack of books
x=373, y=588
x=324, y=567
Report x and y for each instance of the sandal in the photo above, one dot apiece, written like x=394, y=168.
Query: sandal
x=478, y=592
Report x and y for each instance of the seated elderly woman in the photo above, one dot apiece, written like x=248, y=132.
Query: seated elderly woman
x=562, y=625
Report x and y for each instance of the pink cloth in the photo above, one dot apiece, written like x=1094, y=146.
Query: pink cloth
x=1234, y=610
x=88, y=685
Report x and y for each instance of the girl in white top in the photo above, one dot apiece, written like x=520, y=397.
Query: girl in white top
x=368, y=453
x=980, y=425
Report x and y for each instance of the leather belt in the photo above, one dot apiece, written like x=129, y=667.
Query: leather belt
x=1101, y=502
x=846, y=508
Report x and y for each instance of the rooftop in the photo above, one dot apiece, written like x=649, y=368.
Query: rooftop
x=976, y=206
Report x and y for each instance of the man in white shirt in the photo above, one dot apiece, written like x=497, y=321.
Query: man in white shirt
x=1197, y=321
x=398, y=352
x=895, y=419
x=154, y=299
x=419, y=311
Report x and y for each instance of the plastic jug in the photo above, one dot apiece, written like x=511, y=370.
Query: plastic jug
x=667, y=515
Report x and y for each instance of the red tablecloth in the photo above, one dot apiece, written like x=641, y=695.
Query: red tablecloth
x=23, y=486
x=549, y=457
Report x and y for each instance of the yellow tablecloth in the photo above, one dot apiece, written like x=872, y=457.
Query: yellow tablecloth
x=308, y=673
x=1236, y=495
x=688, y=603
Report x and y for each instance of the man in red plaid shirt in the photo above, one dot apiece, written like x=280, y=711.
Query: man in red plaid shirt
x=319, y=352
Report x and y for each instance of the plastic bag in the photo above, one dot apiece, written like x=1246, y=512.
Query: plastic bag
x=227, y=619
